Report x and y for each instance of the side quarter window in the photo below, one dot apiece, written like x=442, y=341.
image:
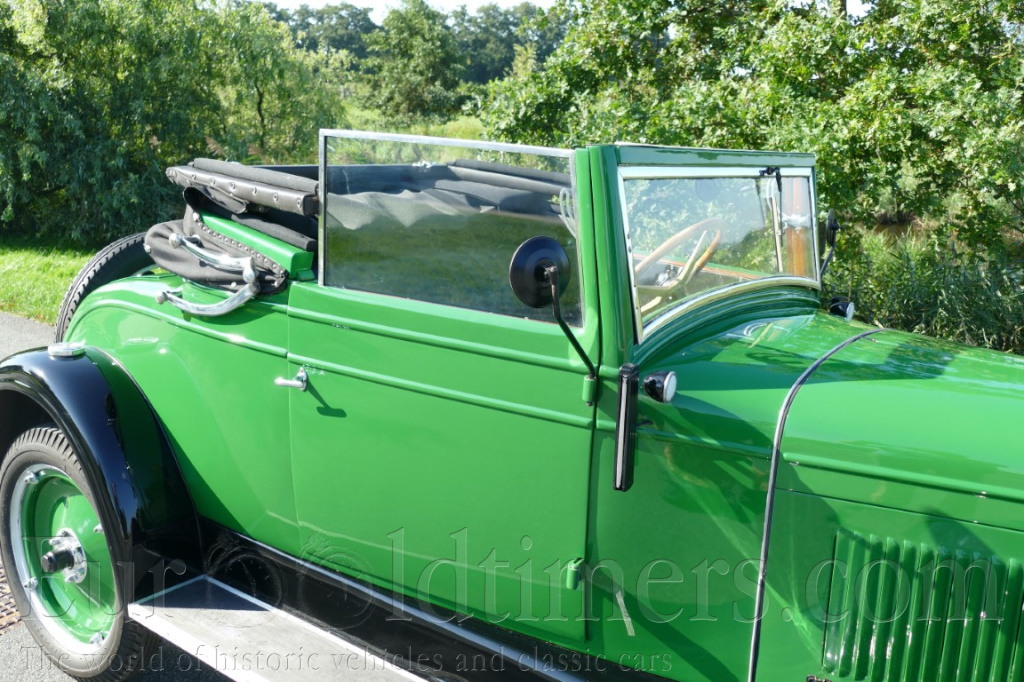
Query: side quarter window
x=440, y=224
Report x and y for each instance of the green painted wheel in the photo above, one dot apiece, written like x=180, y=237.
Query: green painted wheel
x=63, y=576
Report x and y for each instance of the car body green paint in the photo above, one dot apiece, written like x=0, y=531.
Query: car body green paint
x=433, y=436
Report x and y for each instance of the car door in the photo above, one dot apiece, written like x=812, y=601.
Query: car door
x=441, y=446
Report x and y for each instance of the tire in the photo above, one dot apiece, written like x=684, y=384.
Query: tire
x=123, y=258
x=76, y=615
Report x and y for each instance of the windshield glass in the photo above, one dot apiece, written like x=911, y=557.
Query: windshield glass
x=691, y=235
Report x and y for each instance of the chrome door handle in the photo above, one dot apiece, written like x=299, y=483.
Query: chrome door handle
x=300, y=381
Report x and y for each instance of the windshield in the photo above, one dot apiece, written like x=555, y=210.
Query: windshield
x=691, y=235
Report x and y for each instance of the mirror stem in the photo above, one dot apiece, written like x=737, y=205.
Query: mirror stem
x=551, y=277
x=833, y=227
x=827, y=262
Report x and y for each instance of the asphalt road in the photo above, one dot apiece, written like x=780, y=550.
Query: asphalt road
x=18, y=334
x=20, y=657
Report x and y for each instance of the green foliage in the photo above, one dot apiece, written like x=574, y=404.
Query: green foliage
x=462, y=128
x=101, y=96
x=339, y=27
x=915, y=110
x=415, y=64
x=488, y=40
x=933, y=286
x=274, y=98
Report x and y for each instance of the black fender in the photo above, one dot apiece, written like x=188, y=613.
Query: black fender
x=143, y=502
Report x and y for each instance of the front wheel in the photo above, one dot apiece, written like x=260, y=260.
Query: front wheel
x=62, y=574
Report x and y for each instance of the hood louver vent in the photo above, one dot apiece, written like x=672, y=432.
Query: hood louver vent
x=914, y=612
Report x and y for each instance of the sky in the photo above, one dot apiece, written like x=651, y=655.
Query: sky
x=380, y=7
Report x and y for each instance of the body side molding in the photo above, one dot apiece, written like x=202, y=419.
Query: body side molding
x=772, y=477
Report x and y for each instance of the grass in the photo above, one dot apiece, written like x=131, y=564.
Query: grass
x=35, y=275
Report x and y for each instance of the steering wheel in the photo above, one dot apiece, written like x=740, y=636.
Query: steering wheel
x=694, y=263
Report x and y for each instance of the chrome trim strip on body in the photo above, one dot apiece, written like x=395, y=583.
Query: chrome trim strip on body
x=634, y=295
x=448, y=142
x=321, y=228
x=772, y=476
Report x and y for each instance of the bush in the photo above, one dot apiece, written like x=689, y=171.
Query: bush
x=100, y=96
x=932, y=285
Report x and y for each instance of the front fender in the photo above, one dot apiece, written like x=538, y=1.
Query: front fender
x=147, y=512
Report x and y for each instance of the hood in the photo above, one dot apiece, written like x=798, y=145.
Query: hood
x=731, y=385
x=907, y=422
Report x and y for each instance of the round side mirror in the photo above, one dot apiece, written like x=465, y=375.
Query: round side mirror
x=526, y=273
x=832, y=226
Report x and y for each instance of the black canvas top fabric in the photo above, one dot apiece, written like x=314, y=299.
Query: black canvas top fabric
x=294, y=230
x=266, y=176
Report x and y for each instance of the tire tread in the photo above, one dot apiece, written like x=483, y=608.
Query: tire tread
x=118, y=259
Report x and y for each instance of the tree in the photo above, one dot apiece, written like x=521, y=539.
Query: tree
x=488, y=39
x=415, y=63
x=914, y=109
x=541, y=30
x=274, y=97
x=339, y=27
x=101, y=96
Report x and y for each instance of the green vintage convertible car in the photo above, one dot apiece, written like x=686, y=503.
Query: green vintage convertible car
x=452, y=409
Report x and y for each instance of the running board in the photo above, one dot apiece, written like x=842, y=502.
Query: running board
x=247, y=640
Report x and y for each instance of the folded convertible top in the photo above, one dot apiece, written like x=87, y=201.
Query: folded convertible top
x=249, y=185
